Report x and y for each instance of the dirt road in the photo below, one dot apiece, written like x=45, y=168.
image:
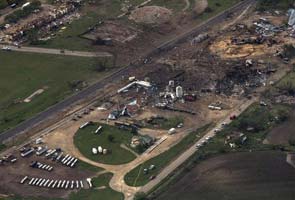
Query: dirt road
x=58, y=51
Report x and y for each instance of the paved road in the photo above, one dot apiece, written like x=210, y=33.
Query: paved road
x=58, y=51
x=57, y=108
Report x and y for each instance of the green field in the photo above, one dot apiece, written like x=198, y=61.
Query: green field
x=106, y=194
x=85, y=140
x=21, y=74
x=136, y=177
x=100, y=190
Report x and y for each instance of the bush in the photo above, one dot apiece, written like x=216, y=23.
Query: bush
x=140, y=196
x=3, y=4
x=111, y=138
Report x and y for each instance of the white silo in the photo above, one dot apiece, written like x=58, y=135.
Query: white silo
x=100, y=149
x=179, y=92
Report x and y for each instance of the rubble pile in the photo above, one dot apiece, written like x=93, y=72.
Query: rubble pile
x=53, y=20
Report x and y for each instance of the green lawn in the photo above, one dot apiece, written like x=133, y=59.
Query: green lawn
x=85, y=140
x=136, y=177
x=90, y=194
x=85, y=166
x=95, y=193
x=21, y=74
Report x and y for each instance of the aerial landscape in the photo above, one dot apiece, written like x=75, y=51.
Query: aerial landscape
x=147, y=99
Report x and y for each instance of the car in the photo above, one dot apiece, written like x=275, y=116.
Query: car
x=198, y=145
x=233, y=117
x=152, y=177
x=216, y=130
x=223, y=124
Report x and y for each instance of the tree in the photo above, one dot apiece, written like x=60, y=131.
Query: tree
x=111, y=138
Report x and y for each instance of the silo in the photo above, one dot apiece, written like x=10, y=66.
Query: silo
x=179, y=92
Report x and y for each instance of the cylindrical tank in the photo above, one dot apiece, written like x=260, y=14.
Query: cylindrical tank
x=100, y=149
x=94, y=151
x=105, y=151
x=179, y=92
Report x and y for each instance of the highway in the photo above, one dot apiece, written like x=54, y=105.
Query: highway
x=53, y=111
x=55, y=51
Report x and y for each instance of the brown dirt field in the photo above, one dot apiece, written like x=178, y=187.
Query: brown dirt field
x=151, y=15
x=226, y=50
x=237, y=176
x=11, y=174
x=283, y=133
x=113, y=30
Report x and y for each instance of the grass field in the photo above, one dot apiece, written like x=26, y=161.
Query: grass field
x=85, y=140
x=85, y=166
x=136, y=177
x=106, y=193
x=21, y=74
x=100, y=190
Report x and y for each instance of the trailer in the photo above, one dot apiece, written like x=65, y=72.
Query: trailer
x=35, y=182
x=54, y=184
x=39, y=181
x=98, y=130
x=85, y=124
x=41, y=151
x=31, y=181
x=74, y=163
x=65, y=161
x=63, y=184
x=70, y=161
x=50, y=153
x=59, y=156
x=65, y=158
x=50, y=183
x=59, y=183
x=43, y=181
x=67, y=185
x=24, y=180
x=27, y=153
x=46, y=182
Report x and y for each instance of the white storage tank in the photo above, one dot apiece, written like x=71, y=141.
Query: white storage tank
x=179, y=92
x=94, y=151
x=100, y=150
x=105, y=151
